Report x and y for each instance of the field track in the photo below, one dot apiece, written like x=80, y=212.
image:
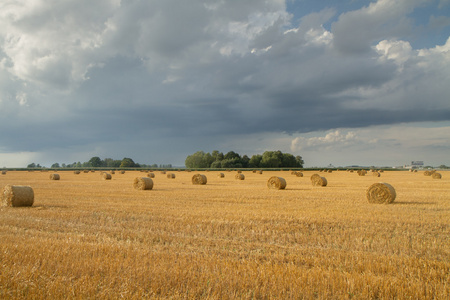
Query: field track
x=88, y=238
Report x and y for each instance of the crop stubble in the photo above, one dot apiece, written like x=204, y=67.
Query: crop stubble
x=90, y=238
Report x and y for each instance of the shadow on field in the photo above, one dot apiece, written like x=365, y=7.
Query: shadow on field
x=416, y=203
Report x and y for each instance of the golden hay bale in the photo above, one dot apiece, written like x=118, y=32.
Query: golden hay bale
x=151, y=175
x=76, y=172
x=85, y=171
x=319, y=181
x=171, y=175
x=376, y=174
x=362, y=172
x=112, y=172
x=199, y=179
x=276, y=182
x=54, y=176
x=163, y=172
x=381, y=193
x=315, y=177
x=239, y=171
x=3, y=172
x=299, y=174
x=436, y=175
x=330, y=171
x=221, y=175
x=260, y=172
x=17, y=195
x=122, y=172
x=106, y=176
x=143, y=183
x=239, y=176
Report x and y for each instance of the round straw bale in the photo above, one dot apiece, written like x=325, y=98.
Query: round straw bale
x=163, y=172
x=199, y=179
x=76, y=172
x=436, y=175
x=221, y=175
x=3, y=172
x=122, y=172
x=239, y=171
x=239, y=176
x=276, y=182
x=376, y=174
x=112, y=172
x=17, y=195
x=106, y=176
x=319, y=181
x=299, y=174
x=143, y=183
x=315, y=177
x=171, y=175
x=54, y=176
x=151, y=175
x=381, y=193
x=85, y=171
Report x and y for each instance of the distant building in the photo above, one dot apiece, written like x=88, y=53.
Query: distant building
x=415, y=164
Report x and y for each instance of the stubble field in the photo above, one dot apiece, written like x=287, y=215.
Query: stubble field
x=89, y=238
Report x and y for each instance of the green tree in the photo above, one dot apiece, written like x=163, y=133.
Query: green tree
x=55, y=165
x=32, y=165
x=198, y=160
x=255, y=161
x=127, y=163
x=272, y=159
x=95, y=162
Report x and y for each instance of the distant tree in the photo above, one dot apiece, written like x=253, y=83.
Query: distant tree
x=55, y=166
x=127, y=163
x=217, y=156
x=255, y=161
x=32, y=165
x=271, y=159
x=299, y=161
x=245, y=160
x=231, y=155
x=95, y=162
x=198, y=160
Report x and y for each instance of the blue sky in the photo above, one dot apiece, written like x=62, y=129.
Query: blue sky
x=337, y=82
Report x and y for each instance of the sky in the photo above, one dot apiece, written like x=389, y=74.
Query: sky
x=351, y=82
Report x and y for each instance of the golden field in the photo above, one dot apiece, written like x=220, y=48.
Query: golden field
x=89, y=238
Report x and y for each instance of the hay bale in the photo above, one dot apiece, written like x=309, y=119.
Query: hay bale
x=436, y=175
x=163, y=172
x=239, y=176
x=362, y=172
x=85, y=171
x=112, y=172
x=299, y=174
x=380, y=193
x=260, y=172
x=143, y=183
x=376, y=174
x=76, y=172
x=106, y=176
x=315, y=177
x=277, y=183
x=151, y=175
x=319, y=181
x=3, y=172
x=221, y=175
x=429, y=173
x=171, y=175
x=122, y=172
x=17, y=195
x=199, y=179
x=54, y=176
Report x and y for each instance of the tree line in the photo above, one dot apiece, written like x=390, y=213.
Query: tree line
x=269, y=159
x=97, y=162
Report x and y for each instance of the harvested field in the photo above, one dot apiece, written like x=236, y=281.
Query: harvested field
x=88, y=238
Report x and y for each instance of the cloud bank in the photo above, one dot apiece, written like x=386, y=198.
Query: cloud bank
x=158, y=80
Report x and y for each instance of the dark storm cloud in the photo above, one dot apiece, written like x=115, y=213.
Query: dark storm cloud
x=201, y=72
